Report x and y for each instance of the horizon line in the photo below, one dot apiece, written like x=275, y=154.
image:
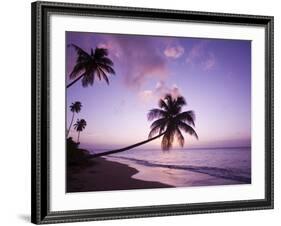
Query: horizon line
x=193, y=148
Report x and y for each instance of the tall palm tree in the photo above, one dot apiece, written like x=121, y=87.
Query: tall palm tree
x=74, y=108
x=90, y=65
x=79, y=126
x=170, y=122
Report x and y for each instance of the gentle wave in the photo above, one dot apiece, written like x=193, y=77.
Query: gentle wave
x=212, y=171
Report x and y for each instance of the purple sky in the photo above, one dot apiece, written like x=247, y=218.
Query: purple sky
x=213, y=75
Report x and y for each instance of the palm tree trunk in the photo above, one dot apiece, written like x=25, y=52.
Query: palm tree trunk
x=126, y=148
x=74, y=81
x=70, y=125
x=78, y=136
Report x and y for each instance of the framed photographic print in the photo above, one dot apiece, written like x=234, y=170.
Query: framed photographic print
x=142, y=112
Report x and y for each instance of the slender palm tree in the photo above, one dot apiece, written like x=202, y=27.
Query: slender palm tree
x=74, y=108
x=170, y=122
x=79, y=126
x=90, y=65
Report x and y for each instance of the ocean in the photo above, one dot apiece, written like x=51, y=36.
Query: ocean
x=189, y=167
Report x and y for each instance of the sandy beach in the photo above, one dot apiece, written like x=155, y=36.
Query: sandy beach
x=105, y=175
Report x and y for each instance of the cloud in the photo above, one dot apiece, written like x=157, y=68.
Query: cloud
x=174, y=52
x=210, y=62
x=113, y=49
x=175, y=91
x=160, y=90
x=140, y=58
x=119, y=107
x=146, y=96
x=199, y=55
x=195, y=53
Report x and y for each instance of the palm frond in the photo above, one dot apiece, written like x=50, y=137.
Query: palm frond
x=100, y=52
x=168, y=140
x=156, y=113
x=76, y=124
x=169, y=99
x=104, y=75
x=79, y=50
x=153, y=132
x=98, y=73
x=107, y=68
x=157, y=126
x=79, y=67
x=188, y=129
x=161, y=123
x=180, y=137
x=105, y=60
x=162, y=104
x=187, y=116
x=80, y=125
x=76, y=106
x=88, y=79
x=180, y=101
x=165, y=143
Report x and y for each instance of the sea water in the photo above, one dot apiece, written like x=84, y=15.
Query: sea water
x=189, y=167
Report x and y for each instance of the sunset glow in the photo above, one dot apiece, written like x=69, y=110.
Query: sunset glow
x=213, y=75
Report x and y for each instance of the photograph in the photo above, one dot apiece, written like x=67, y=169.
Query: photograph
x=146, y=112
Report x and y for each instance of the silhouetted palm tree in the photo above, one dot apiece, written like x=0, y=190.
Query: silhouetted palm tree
x=79, y=126
x=74, y=108
x=169, y=124
x=89, y=65
x=171, y=120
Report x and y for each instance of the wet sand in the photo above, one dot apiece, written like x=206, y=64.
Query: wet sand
x=105, y=175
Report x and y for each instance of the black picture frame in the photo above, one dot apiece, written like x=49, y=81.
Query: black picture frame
x=40, y=212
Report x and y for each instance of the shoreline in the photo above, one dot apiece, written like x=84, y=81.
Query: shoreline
x=106, y=175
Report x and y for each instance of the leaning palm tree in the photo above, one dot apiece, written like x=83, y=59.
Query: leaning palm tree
x=90, y=65
x=170, y=122
x=79, y=126
x=74, y=108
